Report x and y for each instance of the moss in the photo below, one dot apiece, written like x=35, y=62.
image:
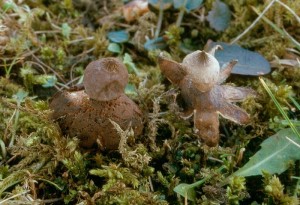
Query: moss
x=275, y=191
x=59, y=38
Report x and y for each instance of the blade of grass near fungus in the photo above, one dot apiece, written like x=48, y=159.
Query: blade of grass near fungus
x=295, y=102
x=279, y=30
x=279, y=107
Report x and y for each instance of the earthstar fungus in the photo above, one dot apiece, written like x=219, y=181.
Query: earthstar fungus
x=87, y=114
x=199, y=78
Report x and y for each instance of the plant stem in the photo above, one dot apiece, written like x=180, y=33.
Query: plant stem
x=3, y=149
x=181, y=13
x=160, y=19
x=295, y=102
x=15, y=126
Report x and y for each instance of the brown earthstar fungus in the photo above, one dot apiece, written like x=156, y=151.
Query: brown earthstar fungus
x=199, y=78
x=87, y=114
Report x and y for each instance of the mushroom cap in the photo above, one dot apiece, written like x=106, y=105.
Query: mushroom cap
x=203, y=70
x=105, y=79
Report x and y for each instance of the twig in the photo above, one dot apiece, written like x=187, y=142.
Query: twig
x=181, y=14
x=150, y=184
x=160, y=19
x=81, y=39
x=254, y=22
x=14, y=196
x=42, y=63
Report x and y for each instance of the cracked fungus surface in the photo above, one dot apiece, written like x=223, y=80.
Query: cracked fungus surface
x=89, y=120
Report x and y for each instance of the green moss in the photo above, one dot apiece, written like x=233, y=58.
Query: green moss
x=57, y=39
x=275, y=191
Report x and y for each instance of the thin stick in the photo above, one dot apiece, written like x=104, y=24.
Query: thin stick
x=45, y=65
x=160, y=19
x=254, y=22
x=14, y=196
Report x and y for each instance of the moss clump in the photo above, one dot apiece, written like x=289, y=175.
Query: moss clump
x=45, y=46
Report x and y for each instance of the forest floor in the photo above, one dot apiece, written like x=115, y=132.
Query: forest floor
x=45, y=47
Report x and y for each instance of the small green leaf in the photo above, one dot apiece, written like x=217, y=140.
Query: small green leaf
x=66, y=30
x=121, y=36
x=8, y=5
x=20, y=96
x=185, y=191
x=190, y=4
x=130, y=89
x=275, y=155
x=157, y=43
x=114, y=47
x=47, y=81
x=127, y=60
x=249, y=62
x=219, y=17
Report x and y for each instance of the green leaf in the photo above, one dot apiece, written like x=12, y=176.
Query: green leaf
x=8, y=5
x=249, y=62
x=219, y=17
x=118, y=36
x=156, y=43
x=275, y=155
x=130, y=89
x=20, y=96
x=127, y=60
x=190, y=4
x=66, y=30
x=114, y=47
x=47, y=81
x=186, y=191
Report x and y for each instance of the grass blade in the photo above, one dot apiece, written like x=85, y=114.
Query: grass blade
x=279, y=107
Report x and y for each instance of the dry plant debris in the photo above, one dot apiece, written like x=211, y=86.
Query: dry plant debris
x=88, y=113
x=134, y=9
x=199, y=78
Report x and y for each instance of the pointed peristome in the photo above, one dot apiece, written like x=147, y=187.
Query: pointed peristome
x=204, y=58
x=174, y=71
x=203, y=70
